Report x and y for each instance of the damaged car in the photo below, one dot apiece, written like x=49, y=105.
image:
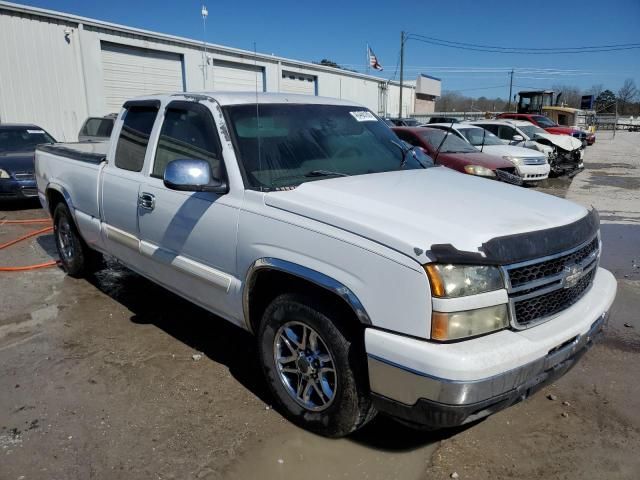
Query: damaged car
x=565, y=154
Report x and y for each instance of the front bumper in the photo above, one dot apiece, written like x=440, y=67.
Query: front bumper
x=10, y=188
x=444, y=385
x=533, y=173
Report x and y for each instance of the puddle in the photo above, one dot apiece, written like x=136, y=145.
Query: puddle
x=604, y=166
x=303, y=455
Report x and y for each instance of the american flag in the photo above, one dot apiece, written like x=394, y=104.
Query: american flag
x=373, y=61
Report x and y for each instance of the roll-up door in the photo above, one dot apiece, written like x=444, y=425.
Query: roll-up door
x=292, y=82
x=130, y=72
x=237, y=77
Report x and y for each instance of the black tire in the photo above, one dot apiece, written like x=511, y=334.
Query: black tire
x=350, y=407
x=76, y=257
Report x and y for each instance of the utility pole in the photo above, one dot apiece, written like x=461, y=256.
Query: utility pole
x=402, y=38
x=510, y=89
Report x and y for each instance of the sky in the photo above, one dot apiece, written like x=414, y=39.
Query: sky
x=340, y=31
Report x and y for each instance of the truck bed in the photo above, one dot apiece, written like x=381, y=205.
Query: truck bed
x=91, y=152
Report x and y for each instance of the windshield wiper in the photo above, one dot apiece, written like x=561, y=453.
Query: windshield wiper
x=324, y=173
x=404, y=151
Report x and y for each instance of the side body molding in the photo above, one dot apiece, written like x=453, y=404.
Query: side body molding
x=305, y=273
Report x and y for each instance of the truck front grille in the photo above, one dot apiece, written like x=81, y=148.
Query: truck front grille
x=541, y=288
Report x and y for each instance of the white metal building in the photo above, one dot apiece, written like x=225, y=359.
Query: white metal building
x=57, y=69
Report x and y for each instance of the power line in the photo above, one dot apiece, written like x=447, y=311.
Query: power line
x=521, y=50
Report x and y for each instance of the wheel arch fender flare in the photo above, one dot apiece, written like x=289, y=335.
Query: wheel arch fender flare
x=56, y=187
x=313, y=276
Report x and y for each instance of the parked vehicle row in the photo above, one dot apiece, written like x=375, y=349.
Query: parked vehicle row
x=373, y=279
x=17, y=146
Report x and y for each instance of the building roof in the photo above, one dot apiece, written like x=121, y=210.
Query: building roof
x=212, y=47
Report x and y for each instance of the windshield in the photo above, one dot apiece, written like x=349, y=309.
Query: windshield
x=297, y=143
x=532, y=130
x=452, y=144
x=476, y=136
x=22, y=139
x=544, y=122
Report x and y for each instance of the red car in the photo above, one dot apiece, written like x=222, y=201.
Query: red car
x=551, y=127
x=457, y=154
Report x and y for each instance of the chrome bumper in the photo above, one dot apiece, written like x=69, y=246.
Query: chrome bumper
x=411, y=385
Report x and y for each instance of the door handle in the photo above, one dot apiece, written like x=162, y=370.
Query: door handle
x=147, y=201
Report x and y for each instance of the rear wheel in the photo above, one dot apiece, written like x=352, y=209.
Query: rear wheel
x=314, y=366
x=75, y=255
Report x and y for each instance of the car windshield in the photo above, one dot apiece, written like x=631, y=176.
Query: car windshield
x=22, y=139
x=411, y=122
x=290, y=144
x=532, y=130
x=544, y=122
x=479, y=136
x=452, y=143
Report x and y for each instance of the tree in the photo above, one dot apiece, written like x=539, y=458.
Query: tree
x=606, y=102
x=329, y=63
x=627, y=94
x=570, y=95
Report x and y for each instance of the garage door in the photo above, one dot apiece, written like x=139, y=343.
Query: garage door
x=298, y=83
x=130, y=72
x=236, y=77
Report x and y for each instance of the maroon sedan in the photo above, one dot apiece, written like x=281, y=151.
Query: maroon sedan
x=457, y=154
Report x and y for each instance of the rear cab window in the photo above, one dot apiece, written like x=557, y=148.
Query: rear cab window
x=134, y=137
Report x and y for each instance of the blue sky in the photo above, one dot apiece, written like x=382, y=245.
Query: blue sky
x=340, y=30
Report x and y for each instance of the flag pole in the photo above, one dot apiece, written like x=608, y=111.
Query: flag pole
x=368, y=59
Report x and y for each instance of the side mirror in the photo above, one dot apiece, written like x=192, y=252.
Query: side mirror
x=190, y=175
x=518, y=138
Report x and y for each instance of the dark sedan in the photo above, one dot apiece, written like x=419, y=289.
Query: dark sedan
x=17, y=147
x=458, y=154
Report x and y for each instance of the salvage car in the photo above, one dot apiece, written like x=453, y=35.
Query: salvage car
x=372, y=279
x=17, y=146
x=565, y=154
x=531, y=166
x=550, y=126
x=450, y=151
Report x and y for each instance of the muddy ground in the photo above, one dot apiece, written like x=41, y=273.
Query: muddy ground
x=98, y=379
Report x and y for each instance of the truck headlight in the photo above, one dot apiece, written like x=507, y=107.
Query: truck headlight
x=470, y=323
x=514, y=160
x=479, y=170
x=4, y=174
x=450, y=281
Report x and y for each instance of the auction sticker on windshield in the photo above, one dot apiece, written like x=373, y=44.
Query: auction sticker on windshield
x=35, y=131
x=363, y=116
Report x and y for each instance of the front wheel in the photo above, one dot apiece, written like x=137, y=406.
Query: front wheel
x=314, y=366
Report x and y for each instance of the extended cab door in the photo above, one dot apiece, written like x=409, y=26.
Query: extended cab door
x=121, y=180
x=189, y=236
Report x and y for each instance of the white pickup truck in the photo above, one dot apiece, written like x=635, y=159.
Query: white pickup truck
x=373, y=280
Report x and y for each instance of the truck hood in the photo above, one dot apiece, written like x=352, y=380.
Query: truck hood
x=563, y=141
x=17, y=162
x=413, y=209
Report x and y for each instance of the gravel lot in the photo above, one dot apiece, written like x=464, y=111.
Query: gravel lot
x=98, y=379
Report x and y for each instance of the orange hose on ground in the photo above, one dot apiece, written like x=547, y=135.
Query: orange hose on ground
x=25, y=222
x=29, y=267
x=24, y=237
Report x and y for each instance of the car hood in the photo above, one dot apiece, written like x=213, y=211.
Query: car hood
x=17, y=162
x=510, y=150
x=414, y=209
x=563, y=141
x=456, y=159
x=561, y=130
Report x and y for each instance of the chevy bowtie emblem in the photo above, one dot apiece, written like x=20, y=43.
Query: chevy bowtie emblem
x=572, y=273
